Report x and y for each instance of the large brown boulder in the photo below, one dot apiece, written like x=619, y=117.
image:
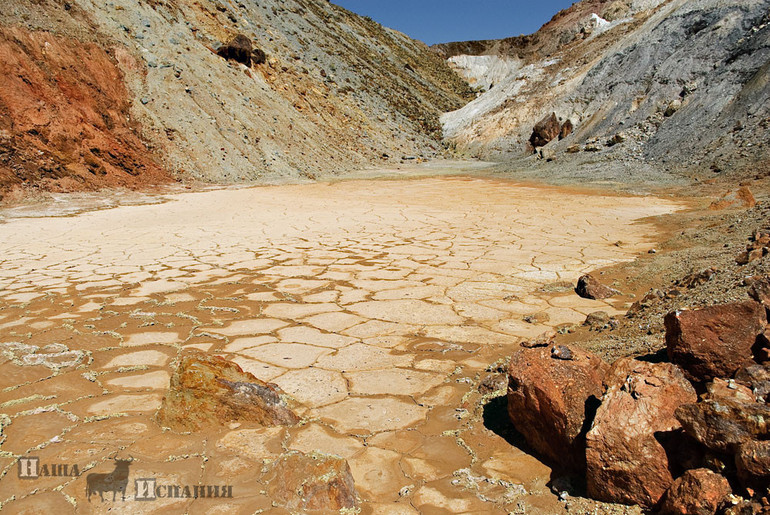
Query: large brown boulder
x=722, y=425
x=697, y=492
x=756, y=377
x=209, y=390
x=550, y=398
x=753, y=463
x=720, y=389
x=240, y=49
x=544, y=131
x=310, y=482
x=714, y=341
x=589, y=287
x=626, y=462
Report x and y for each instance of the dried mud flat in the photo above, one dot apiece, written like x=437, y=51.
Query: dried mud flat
x=378, y=308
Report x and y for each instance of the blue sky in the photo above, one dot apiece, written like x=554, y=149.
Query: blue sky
x=440, y=21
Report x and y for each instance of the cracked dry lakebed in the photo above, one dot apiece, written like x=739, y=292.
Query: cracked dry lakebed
x=377, y=305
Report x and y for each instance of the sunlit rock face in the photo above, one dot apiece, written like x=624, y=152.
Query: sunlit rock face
x=642, y=80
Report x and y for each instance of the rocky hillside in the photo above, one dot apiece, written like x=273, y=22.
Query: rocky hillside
x=133, y=92
x=679, y=84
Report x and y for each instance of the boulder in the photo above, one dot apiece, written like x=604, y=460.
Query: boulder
x=547, y=153
x=696, y=492
x=723, y=425
x=592, y=147
x=759, y=290
x=544, y=131
x=744, y=507
x=305, y=483
x=750, y=255
x=208, y=390
x=589, y=287
x=652, y=297
x=493, y=383
x=753, y=463
x=543, y=340
x=672, y=107
x=600, y=321
x=714, y=341
x=757, y=248
x=742, y=197
x=760, y=238
x=729, y=389
x=562, y=352
x=697, y=278
x=551, y=398
x=756, y=377
x=566, y=129
x=626, y=461
x=241, y=50
x=616, y=139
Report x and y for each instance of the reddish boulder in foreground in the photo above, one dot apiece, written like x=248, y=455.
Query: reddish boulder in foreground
x=209, y=390
x=310, y=482
x=714, y=341
x=756, y=377
x=697, y=492
x=549, y=399
x=589, y=287
x=626, y=462
x=753, y=463
x=723, y=425
x=544, y=131
x=730, y=390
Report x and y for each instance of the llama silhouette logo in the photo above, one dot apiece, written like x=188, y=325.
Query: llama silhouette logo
x=115, y=481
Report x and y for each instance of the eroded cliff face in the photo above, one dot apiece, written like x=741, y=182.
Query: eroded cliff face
x=65, y=118
x=133, y=92
x=679, y=84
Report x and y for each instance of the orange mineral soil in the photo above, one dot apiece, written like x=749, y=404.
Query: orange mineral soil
x=64, y=117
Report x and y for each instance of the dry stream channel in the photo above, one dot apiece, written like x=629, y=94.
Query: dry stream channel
x=376, y=304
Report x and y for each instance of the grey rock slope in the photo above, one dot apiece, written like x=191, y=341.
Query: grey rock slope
x=336, y=92
x=680, y=85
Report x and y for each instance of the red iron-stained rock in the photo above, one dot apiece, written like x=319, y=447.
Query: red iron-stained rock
x=550, y=398
x=714, y=341
x=626, y=463
x=208, y=390
x=697, y=492
x=310, y=482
